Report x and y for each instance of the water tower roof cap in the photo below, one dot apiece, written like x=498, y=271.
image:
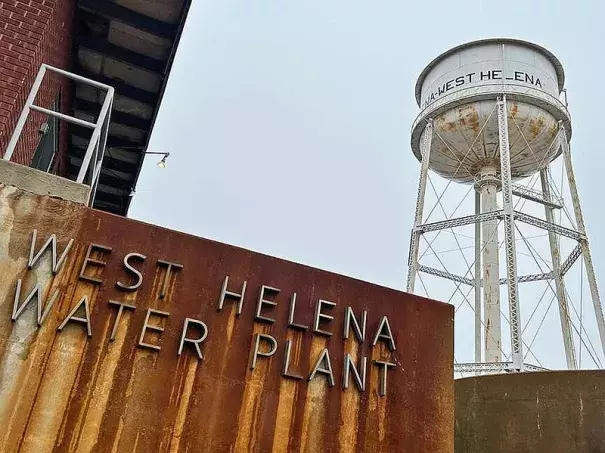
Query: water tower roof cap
x=551, y=57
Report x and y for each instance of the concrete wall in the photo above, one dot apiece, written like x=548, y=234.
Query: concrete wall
x=532, y=412
x=42, y=183
x=124, y=387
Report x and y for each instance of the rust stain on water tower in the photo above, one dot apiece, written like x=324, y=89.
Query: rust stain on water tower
x=180, y=344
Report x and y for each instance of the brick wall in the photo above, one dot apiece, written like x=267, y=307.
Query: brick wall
x=33, y=32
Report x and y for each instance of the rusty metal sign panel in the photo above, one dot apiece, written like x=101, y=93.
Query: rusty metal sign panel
x=118, y=336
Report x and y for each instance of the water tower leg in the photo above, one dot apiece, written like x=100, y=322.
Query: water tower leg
x=570, y=353
x=590, y=274
x=477, y=279
x=425, y=151
x=509, y=237
x=488, y=184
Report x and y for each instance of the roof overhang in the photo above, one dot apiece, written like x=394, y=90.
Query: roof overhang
x=130, y=45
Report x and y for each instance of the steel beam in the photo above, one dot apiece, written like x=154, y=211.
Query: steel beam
x=128, y=119
x=493, y=367
x=545, y=225
x=112, y=10
x=472, y=282
x=477, y=282
x=575, y=199
x=570, y=352
x=425, y=150
x=460, y=221
x=447, y=275
x=509, y=236
x=571, y=259
x=530, y=278
x=122, y=88
x=538, y=197
x=120, y=53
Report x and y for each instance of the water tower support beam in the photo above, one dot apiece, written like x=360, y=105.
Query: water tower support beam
x=425, y=153
x=477, y=279
x=509, y=237
x=570, y=352
x=488, y=186
x=575, y=199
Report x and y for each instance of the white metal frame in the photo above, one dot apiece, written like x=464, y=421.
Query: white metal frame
x=509, y=237
x=96, y=147
x=413, y=257
x=585, y=249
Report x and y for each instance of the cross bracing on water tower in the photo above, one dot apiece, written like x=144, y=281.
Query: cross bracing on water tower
x=498, y=230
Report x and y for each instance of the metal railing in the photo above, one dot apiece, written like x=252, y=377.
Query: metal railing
x=470, y=93
x=98, y=140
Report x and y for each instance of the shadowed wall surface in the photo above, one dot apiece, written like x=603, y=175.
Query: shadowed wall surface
x=63, y=390
x=531, y=412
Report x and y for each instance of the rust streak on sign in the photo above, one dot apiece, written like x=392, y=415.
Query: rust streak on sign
x=145, y=294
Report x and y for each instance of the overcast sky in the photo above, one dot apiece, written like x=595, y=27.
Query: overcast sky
x=288, y=123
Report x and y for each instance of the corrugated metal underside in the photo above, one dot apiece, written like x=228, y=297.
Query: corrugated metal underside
x=130, y=45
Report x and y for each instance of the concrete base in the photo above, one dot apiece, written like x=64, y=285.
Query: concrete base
x=40, y=183
x=531, y=412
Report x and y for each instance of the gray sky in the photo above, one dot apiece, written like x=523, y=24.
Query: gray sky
x=288, y=123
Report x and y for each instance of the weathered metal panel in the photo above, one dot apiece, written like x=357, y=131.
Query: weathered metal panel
x=531, y=412
x=62, y=391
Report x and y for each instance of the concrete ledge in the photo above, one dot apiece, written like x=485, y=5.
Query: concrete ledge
x=41, y=183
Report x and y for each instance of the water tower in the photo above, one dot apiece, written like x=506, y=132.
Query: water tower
x=492, y=121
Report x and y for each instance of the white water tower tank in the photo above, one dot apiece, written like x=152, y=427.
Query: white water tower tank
x=457, y=90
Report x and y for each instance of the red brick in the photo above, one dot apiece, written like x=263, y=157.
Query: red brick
x=8, y=53
x=45, y=13
x=10, y=40
x=8, y=85
x=24, y=52
x=32, y=32
x=10, y=20
x=34, y=20
x=26, y=7
x=43, y=7
x=16, y=81
x=11, y=71
x=10, y=7
x=13, y=30
x=14, y=61
x=29, y=46
x=35, y=31
x=22, y=35
x=26, y=58
x=7, y=100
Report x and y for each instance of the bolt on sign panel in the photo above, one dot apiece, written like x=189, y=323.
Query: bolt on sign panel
x=118, y=336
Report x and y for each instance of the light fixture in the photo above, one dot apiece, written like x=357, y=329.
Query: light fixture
x=162, y=163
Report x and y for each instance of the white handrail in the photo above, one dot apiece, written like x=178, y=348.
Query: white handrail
x=100, y=129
